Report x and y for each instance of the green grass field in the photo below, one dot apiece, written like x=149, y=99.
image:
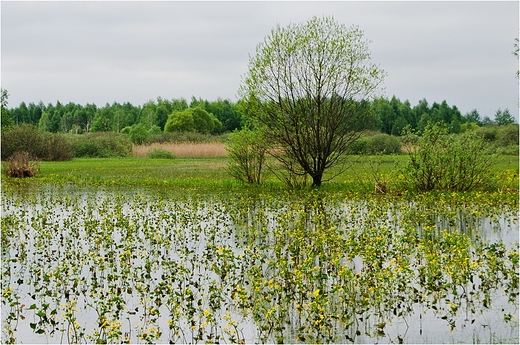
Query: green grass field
x=211, y=172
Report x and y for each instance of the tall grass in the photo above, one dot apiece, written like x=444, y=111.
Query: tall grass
x=183, y=149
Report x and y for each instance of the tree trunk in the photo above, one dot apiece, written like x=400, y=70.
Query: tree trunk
x=316, y=179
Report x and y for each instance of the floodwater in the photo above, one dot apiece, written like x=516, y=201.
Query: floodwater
x=144, y=267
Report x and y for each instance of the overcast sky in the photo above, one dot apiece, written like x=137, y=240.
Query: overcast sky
x=99, y=52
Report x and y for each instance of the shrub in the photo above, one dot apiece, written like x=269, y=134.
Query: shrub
x=21, y=165
x=377, y=144
x=101, y=144
x=44, y=146
x=382, y=143
x=359, y=146
x=57, y=147
x=24, y=138
x=193, y=119
x=155, y=130
x=160, y=153
x=489, y=133
x=138, y=133
x=448, y=163
x=507, y=135
x=247, y=150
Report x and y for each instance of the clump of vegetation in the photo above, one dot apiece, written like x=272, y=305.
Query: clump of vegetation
x=448, y=163
x=57, y=147
x=137, y=133
x=376, y=144
x=21, y=165
x=247, y=150
x=44, y=146
x=101, y=145
x=193, y=120
x=22, y=138
x=160, y=153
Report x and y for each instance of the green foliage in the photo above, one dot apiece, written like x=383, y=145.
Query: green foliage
x=449, y=163
x=246, y=149
x=24, y=138
x=295, y=85
x=101, y=145
x=57, y=147
x=155, y=130
x=377, y=144
x=504, y=117
x=180, y=121
x=193, y=120
x=138, y=133
x=508, y=135
x=160, y=153
x=45, y=146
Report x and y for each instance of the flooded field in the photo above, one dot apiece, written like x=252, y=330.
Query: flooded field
x=112, y=266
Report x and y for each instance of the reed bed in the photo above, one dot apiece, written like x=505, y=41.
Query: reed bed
x=184, y=149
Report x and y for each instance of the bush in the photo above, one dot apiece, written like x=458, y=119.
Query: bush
x=44, y=146
x=247, y=150
x=382, y=143
x=160, y=153
x=507, y=135
x=21, y=165
x=448, y=163
x=58, y=148
x=488, y=133
x=155, y=130
x=24, y=138
x=138, y=133
x=101, y=145
x=376, y=144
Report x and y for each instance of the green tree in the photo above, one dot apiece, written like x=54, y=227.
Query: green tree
x=7, y=121
x=102, y=120
x=504, y=117
x=138, y=133
x=203, y=121
x=161, y=116
x=399, y=124
x=474, y=117
x=180, y=121
x=307, y=83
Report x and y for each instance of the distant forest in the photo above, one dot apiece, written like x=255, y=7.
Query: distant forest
x=390, y=116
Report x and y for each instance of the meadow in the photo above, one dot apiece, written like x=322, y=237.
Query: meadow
x=142, y=250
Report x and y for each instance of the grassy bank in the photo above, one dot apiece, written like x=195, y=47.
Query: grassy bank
x=211, y=173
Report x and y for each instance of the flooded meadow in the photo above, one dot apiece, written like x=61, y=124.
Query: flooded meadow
x=107, y=265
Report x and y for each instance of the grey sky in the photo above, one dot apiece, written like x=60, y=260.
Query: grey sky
x=99, y=52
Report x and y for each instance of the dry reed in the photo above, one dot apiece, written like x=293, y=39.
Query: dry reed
x=184, y=149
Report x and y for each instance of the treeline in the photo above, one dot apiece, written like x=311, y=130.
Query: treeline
x=393, y=116
x=153, y=115
x=220, y=116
